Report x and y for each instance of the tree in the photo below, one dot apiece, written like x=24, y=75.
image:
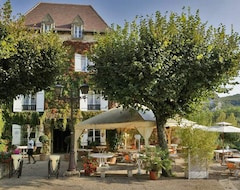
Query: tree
x=29, y=61
x=169, y=64
x=222, y=117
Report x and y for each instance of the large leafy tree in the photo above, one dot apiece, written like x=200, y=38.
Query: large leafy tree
x=29, y=61
x=167, y=63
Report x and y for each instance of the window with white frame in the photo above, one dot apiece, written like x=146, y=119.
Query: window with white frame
x=46, y=27
x=94, y=102
x=29, y=102
x=81, y=63
x=47, y=23
x=78, y=31
x=77, y=27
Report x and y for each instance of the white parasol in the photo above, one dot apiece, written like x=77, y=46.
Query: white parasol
x=224, y=127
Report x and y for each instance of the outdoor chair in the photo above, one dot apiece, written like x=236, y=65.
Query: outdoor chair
x=231, y=166
x=112, y=160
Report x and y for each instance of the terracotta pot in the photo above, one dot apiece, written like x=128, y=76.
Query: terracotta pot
x=154, y=175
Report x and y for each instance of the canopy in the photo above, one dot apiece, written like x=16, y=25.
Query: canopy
x=143, y=120
x=119, y=118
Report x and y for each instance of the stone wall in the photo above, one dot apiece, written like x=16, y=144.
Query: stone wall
x=4, y=170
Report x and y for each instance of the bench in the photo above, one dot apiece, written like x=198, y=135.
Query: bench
x=116, y=167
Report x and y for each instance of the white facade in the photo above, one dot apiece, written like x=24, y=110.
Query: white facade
x=29, y=103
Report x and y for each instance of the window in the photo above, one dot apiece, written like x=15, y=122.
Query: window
x=47, y=23
x=94, y=136
x=94, y=102
x=77, y=31
x=77, y=27
x=81, y=63
x=46, y=27
x=29, y=102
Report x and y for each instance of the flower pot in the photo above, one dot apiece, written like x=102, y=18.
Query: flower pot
x=88, y=173
x=154, y=175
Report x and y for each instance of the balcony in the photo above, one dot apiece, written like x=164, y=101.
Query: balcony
x=29, y=107
x=94, y=107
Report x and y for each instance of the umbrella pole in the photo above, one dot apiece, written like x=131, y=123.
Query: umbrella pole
x=223, y=161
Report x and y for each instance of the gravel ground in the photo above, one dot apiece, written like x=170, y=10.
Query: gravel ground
x=35, y=176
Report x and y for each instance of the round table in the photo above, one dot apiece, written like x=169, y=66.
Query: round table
x=102, y=157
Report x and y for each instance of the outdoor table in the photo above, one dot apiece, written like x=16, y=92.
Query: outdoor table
x=85, y=150
x=237, y=162
x=222, y=151
x=102, y=157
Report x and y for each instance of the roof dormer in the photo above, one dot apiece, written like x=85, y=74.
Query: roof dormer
x=77, y=27
x=47, y=23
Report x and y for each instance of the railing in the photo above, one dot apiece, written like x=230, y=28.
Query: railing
x=29, y=107
x=94, y=107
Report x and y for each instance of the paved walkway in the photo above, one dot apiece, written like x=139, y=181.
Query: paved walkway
x=34, y=176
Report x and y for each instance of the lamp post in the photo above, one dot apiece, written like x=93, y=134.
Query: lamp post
x=59, y=89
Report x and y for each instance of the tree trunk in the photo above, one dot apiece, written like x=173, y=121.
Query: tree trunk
x=162, y=141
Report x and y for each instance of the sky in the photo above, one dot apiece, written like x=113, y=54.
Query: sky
x=215, y=12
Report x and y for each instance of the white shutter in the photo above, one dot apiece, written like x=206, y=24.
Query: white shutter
x=103, y=104
x=16, y=134
x=17, y=103
x=103, y=137
x=77, y=62
x=83, y=104
x=40, y=101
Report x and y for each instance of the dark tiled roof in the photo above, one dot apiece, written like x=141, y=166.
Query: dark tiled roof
x=64, y=14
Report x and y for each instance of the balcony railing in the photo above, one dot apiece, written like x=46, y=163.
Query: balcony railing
x=29, y=107
x=94, y=107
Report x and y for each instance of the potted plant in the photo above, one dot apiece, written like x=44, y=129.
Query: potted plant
x=45, y=149
x=154, y=160
x=198, y=151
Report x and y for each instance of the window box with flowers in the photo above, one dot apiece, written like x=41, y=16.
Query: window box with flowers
x=90, y=166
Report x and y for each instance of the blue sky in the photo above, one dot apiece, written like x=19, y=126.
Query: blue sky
x=117, y=11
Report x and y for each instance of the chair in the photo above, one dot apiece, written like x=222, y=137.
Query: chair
x=231, y=166
x=112, y=161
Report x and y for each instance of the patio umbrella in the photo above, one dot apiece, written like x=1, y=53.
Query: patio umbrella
x=224, y=127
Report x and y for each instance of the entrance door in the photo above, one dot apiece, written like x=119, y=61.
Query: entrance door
x=59, y=145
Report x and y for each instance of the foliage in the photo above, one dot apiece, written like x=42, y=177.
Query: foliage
x=1, y=123
x=231, y=100
x=45, y=143
x=4, y=156
x=3, y=145
x=168, y=64
x=200, y=144
x=113, y=140
x=27, y=58
x=154, y=159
